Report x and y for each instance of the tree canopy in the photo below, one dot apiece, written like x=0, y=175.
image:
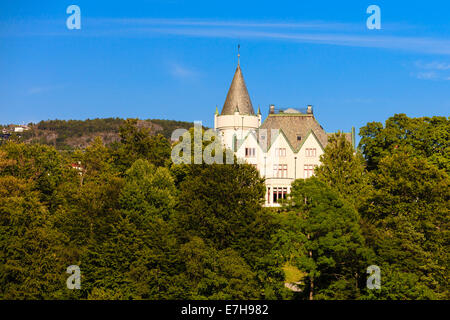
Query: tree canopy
x=140, y=226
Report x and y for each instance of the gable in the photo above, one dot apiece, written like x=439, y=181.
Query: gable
x=311, y=141
x=295, y=127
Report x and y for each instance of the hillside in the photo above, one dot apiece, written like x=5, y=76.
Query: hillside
x=72, y=134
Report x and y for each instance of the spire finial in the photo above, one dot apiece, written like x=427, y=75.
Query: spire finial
x=239, y=54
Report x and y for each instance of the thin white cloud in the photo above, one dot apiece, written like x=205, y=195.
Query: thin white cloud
x=136, y=22
x=320, y=32
x=180, y=71
x=434, y=70
x=427, y=75
x=434, y=65
x=42, y=89
x=424, y=45
x=35, y=90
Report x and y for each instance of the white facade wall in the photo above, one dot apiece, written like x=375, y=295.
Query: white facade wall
x=235, y=125
x=295, y=162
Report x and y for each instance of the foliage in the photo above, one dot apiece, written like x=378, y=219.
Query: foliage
x=408, y=218
x=423, y=137
x=76, y=134
x=142, y=227
x=332, y=248
x=234, y=221
x=343, y=170
x=136, y=142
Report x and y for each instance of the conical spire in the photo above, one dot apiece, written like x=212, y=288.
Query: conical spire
x=238, y=96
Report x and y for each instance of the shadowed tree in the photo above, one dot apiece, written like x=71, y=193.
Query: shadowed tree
x=137, y=142
x=408, y=227
x=333, y=252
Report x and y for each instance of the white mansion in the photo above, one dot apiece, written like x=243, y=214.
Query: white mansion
x=285, y=147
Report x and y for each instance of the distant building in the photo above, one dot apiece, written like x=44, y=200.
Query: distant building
x=21, y=128
x=285, y=147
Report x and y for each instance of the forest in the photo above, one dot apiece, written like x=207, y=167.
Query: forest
x=74, y=134
x=142, y=227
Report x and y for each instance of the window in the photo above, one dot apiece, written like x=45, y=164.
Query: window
x=279, y=193
x=299, y=137
x=234, y=143
x=250, y=152
x=280, y=170
x=310, y=152
x=308, y=170
x=280, y=152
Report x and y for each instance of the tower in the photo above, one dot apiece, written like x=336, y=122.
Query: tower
x=237, y=118
x=286, y=147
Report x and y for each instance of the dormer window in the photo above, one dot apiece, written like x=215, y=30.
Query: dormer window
x=299, y=137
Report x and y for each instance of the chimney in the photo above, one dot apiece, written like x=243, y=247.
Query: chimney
x=309, y=109
x=272, y=109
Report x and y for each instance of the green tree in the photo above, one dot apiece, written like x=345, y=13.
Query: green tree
x=408, y=226
x=137, y=142
x=212, y=274
x=343, y=170
x=421, y=137
x=90, y=199
x=42, y=164
x=32, y=252
x=221, y=204
x=185, y=149
x=333, y=251
x=148, y=190
x=135, y=259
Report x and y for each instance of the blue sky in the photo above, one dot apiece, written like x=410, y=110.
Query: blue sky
x=176, y=59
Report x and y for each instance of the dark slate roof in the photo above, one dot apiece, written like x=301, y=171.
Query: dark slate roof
x=237, y=96
x=293, y=125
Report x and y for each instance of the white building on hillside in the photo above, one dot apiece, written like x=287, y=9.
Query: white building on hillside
x=285, y=147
